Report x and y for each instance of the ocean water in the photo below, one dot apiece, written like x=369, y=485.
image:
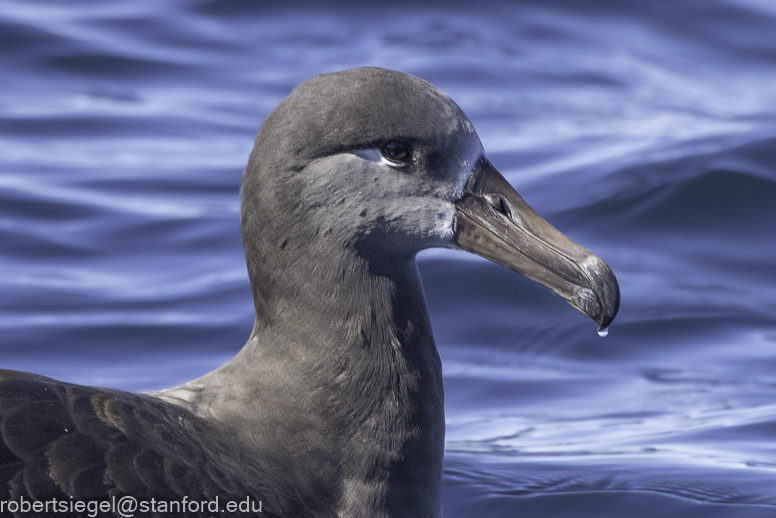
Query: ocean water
x=646, y=131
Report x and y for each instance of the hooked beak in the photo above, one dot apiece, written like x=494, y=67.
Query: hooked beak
x=492, y=220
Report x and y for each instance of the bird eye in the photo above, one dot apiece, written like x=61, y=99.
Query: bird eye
x=396, y=151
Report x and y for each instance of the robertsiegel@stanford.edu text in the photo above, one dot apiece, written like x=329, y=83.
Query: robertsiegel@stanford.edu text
x=127, y=506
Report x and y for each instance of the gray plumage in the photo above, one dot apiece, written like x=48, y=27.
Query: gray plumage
x=334, y=407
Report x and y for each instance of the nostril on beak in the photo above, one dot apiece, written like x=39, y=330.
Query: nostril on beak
x=499, y=203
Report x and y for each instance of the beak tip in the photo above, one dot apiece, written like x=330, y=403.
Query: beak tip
x=604, y=321
x=610, y=304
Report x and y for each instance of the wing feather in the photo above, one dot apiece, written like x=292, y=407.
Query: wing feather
x=64, y=441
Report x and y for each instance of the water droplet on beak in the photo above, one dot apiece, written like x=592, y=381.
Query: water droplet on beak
x=603, y=332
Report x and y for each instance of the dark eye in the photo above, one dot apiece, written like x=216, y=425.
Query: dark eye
x=396, y=151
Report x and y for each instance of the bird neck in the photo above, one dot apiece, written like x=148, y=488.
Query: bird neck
x=343, y=359
x=363, y=341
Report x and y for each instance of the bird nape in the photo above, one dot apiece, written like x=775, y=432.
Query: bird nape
x=334, y=406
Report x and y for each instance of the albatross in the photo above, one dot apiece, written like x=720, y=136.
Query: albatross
x=334, y=406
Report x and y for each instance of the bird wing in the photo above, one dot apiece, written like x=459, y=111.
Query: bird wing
x=71, y=442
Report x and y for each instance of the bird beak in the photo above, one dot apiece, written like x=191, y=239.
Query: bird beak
x=492, y=220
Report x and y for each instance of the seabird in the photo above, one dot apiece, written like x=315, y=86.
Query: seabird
x=334, y=406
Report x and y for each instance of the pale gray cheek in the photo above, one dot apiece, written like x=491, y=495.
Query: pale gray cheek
x=425, y=220
x=443, y=223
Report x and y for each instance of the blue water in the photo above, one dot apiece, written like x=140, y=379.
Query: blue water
x=644, y=130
